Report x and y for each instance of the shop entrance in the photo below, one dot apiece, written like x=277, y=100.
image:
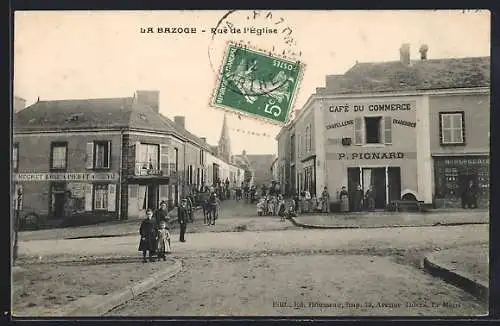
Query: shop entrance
x=148, y=197
x=59, y=200
x=385, y=182
x=375, y=178
x=59, y=197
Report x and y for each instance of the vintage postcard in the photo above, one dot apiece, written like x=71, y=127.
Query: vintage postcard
x=251, y=163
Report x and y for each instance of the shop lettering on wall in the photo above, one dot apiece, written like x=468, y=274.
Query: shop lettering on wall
x=340, y=124
x=111, y=176
x=462, y=161
x=371, y=156
x=404, y=123
x=370, y=107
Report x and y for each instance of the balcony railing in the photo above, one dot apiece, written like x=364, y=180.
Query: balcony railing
x=144, y=169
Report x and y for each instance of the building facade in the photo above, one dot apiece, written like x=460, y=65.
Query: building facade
x=112, y=158
x=407, y=129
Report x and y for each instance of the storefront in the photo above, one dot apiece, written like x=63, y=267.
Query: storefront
x=452, y=174
x=373, y=143
x=147, y=192
x=68, y=194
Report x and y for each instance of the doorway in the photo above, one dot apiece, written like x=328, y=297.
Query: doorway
x=353, y=180
x=375, y=178
x=148, y=198
x=59, y=200
x=394, y=183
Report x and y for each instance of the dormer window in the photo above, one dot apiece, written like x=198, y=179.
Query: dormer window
x=74, y=117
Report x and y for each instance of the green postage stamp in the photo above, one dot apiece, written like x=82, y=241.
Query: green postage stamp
x=254, y=83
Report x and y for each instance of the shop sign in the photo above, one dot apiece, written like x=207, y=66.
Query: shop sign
x=339, y=124
x=98, y=176
x=371, y=156
x=466, y=161
x=404, y=123
x=379, y=107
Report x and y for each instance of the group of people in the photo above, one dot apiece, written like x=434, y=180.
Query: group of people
x=310, y=203
x=154, y=231
x=360, y=200
x=272, y=205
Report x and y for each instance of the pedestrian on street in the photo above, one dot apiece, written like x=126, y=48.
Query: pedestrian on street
x=325, y=201
x=163, y=244
x=161, y=214
x=182, y=218
x=148, y=232
x=370, y=198
x=469, y=196
x=358, y=199
x=344, y=200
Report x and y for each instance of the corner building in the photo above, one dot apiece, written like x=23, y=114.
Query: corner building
x=408, y=128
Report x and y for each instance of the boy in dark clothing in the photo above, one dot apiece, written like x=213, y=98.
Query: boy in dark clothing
x=148, y=233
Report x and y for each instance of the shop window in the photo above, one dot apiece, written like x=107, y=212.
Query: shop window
x=100, y=197
x=15, y=157
x=373, y=130
x=452, y=128
x=59, y=156
x=451, y=182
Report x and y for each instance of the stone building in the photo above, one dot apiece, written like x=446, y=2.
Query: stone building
x=111, y=157
x=408, y=128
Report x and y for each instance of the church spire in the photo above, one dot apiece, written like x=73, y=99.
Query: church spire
x=224, y=147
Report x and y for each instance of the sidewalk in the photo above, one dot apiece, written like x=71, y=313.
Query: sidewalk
x=466, y=267
x=84, y=287
x=131, y=227
x=391, y=219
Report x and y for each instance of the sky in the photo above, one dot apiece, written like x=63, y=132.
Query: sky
x=102, y=54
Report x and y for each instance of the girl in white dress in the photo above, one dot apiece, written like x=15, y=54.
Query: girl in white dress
x=163, y=241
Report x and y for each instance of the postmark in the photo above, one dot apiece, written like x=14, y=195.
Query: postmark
x=257, y=84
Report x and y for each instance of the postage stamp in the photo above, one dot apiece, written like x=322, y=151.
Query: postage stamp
x=257, y=84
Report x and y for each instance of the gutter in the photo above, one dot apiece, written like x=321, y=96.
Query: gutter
x=120, y=172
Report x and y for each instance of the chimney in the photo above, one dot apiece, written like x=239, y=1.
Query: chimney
x=404, y=54
x=149, y=98
x=180, y=121
x=203, y=139
x=423, y=51
x=19, y=104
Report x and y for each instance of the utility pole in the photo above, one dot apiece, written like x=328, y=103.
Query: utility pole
x=16, y=222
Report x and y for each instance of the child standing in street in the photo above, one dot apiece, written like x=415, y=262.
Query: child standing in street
x=163, y=241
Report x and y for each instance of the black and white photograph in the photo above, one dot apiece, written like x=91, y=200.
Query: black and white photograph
x=220, y=163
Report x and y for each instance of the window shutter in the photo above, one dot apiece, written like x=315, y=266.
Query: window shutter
x=358, y=131
x=387, y=130
x=88, y=197
x=111, y=197
x=164, y=159
x=90, y=155
x=109, y=155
